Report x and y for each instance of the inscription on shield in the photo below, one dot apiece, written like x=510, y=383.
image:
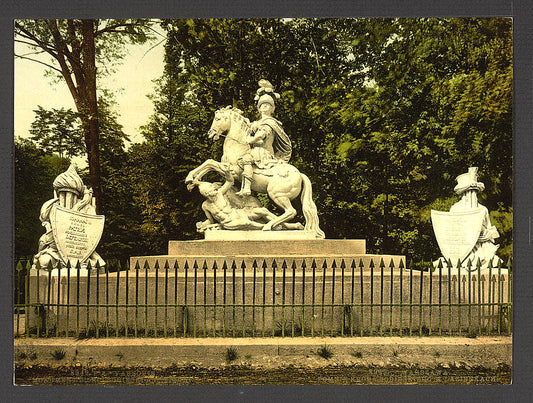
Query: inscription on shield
x=457, y=232
x=76, y=234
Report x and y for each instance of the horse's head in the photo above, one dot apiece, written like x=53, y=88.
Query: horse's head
x=221, y=123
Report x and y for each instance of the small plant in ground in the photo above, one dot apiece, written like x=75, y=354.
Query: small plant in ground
x=436, y=354
x=231, y=354
x=22, y=356
x=395, y=353
x=357, y=354
x=119, y=355
x=248, y=356
x=325, y=352
x=58, y=354
x=33, y=356
x=472, y=334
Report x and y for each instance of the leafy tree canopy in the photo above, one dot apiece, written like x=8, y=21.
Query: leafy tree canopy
x=383, y=115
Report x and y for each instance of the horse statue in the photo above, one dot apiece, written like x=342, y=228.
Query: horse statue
x=282, y=183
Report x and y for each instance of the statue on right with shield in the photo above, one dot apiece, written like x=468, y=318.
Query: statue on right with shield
x=465, y=233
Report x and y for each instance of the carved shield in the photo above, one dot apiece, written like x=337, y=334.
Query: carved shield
x=76, y=234
x=457, y=232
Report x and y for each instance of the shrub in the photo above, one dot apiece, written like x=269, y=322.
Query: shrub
x=325, y=352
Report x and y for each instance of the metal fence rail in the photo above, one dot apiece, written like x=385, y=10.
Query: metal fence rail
x=302, y=297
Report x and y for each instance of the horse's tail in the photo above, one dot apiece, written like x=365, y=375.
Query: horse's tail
x=309, y=208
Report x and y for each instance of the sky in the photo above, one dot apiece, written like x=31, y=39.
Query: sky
x=131, y=83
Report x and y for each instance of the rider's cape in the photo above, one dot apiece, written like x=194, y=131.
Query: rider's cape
x=282, y=144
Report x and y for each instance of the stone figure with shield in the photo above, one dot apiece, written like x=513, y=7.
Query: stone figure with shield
x=73, y=229
x=465, y=233
x=257, y=154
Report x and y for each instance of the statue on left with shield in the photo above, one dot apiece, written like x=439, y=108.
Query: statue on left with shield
x=73, y=229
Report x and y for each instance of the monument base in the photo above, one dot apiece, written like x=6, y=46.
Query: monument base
x=268, y=252
x=225, y=235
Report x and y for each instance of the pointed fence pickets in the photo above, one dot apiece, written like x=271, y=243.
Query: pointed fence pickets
x=268, y=298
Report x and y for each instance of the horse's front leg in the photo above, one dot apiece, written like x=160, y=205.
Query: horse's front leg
x=198, y=173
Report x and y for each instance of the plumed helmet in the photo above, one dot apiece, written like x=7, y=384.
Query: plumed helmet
x=468, y=181
x=69, y=181
x=266, y=93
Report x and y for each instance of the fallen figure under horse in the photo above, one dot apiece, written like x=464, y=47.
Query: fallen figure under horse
x=281, y=182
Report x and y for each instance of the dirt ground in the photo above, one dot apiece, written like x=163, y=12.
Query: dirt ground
x=247, y=375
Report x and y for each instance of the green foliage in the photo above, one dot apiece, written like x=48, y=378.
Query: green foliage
x=35, y=171
x=503, y=220
x=383, y=115
x=325, y=352
x=58, y=354
x=58, y=131
x=357, y=354
x=231, y=354
x=76, y=48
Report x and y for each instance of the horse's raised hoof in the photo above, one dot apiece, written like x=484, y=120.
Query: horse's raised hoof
x=267, y=227
x=190, y=186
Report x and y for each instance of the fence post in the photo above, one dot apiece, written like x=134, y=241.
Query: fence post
x=304, y=266
x=333, y=267
x=205, y=298
x=117, y=290
x=254, y=266
x=324, y=267
x=156, y=297
x=391, y=267
x=127, y=297
x=313, y=266
x=361, y=320
x=27, y=298
x=439, y=266
x=293, y=302
x=283, y=300
x=371, y=296
x=215, y=304
x=401, y=267
x=97, y=299
x=243, y=267
x=195, y=298
x=343, y=325
x=165, y=321
x=274, y=266
x=137, y=268
x=234, y=297
x=381, y=299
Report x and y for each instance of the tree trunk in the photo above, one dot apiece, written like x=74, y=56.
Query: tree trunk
x=90, y=112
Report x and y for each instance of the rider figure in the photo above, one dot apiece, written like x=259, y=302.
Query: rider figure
x=269, y=143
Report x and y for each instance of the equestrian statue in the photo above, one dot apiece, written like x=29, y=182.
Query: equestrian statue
x=256, y=155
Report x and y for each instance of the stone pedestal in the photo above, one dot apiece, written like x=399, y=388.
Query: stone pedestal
x=224, y=235
x=249, y=252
